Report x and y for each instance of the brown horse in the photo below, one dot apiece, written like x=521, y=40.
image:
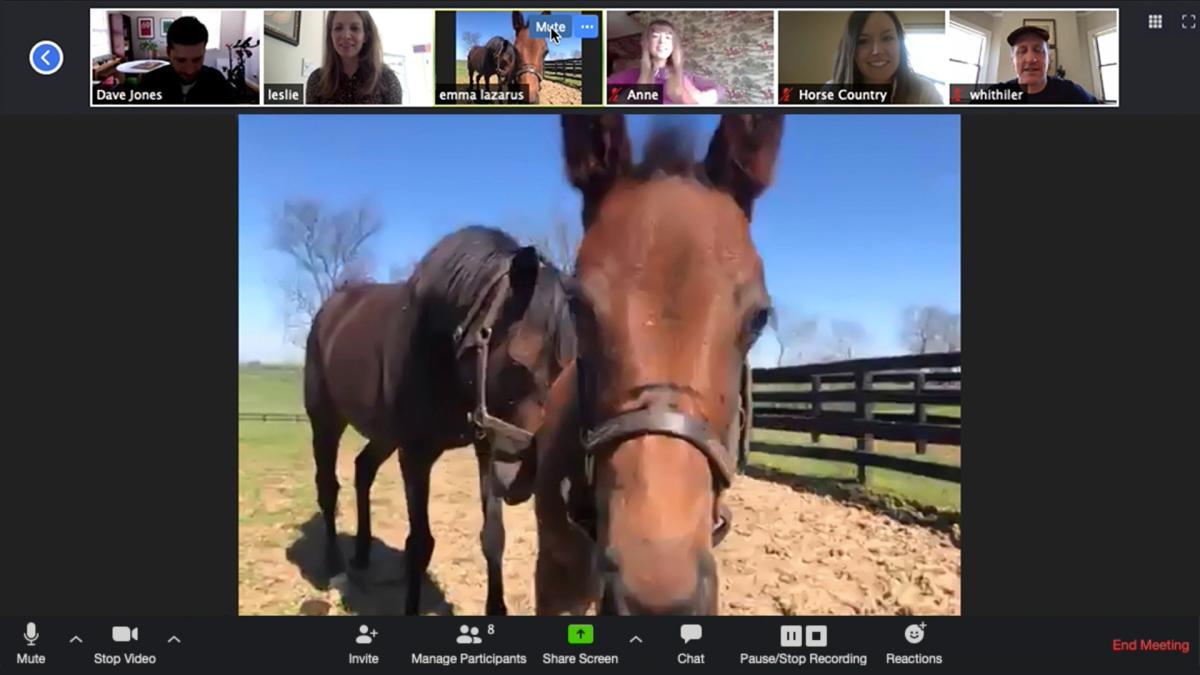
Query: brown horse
x=497, y=58
x=639, y=438
x=531, y=57
x=402, y=363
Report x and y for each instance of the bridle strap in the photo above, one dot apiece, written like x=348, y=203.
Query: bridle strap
x=651, y=422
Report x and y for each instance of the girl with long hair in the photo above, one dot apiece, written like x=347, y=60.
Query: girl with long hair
x=352, y=69
x=872, y=52
x=662, y=64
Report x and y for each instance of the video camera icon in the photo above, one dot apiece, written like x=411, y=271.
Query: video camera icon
x=124, y=634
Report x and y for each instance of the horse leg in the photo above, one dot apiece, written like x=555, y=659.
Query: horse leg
x=366, y=466
x=327, y=434
x=491, y=537
x=416, y=463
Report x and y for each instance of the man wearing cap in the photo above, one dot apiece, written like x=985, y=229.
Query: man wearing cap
x=1030, y=46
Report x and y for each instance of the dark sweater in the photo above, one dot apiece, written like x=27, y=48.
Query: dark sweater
x=1057, y=90
x=210, y=86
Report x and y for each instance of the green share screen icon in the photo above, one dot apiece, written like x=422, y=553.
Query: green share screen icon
x=579, y=634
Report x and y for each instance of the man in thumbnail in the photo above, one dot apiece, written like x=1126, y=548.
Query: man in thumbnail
x=1030, y=46
x=188, y=80
x=662, y=64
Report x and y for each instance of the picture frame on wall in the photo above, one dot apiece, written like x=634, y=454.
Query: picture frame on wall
x=1047, y=25
x=166, y=26
x=145, y=27
x=282, y=25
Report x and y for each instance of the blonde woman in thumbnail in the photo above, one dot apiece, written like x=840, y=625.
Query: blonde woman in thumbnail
x=352, y=69
x=872, y=52
x=662, y=64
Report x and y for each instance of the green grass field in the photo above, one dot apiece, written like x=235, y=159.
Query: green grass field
x=279, y=448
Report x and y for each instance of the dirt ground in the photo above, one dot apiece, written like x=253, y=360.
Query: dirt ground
x=554, y=93
x=790, y=552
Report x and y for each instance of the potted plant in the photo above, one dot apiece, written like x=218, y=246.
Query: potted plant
x=150, y=47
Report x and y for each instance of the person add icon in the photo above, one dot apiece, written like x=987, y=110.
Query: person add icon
x=363, y=638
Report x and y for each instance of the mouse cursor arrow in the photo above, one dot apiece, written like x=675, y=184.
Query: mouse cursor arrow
x=554, y=35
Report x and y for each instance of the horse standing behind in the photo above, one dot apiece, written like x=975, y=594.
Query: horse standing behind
x=398, y=362
x=497, y=58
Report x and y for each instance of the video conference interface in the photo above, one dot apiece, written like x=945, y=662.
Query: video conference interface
x=731, y=57
x=368, y=168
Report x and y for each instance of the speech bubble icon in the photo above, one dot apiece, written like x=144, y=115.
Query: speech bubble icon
x=690, y=631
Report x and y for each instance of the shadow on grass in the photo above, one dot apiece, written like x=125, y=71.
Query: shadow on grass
x=850, y=491
x=380, y=589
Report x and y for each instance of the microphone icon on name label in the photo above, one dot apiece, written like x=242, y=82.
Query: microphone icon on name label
x=31, y=635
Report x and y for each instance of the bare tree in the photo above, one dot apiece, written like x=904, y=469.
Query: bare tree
x=471, y=38
x=929, y=328
x=847, y=336
x=327, y=249
x=559, y=244
x=794, y=332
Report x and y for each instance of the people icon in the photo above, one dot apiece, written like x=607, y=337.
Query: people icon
x=363, y=638
x=468, y=635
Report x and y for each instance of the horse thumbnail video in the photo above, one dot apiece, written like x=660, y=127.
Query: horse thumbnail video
x=695, y=364
x=349, y=57
x=175, y=57
x=546, y=57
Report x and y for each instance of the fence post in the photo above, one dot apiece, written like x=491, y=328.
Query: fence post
x=919, y=388
x=864, y=410
x=816, y=404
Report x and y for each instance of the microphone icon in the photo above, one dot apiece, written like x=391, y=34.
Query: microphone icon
x=31, y=635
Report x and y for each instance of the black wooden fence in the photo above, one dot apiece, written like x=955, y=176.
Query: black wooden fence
x=271, y=417
x=841, y=399
x=565, y=71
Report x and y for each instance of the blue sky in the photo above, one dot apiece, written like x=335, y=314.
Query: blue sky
x=489, y=24
x=862, y=221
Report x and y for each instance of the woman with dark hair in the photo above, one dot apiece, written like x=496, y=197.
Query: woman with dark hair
x=872, y=52
x=662, y=64
x=352, y=68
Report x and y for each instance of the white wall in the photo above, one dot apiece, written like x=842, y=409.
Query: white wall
x=236, y=25
x=808, y=41
x=282, y=60
x=159, y=39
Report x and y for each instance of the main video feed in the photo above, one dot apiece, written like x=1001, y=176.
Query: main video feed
x=349, y=57
x=1033, y=57
x=175, y=57
x=862, y=57
x=547, y=57
x=690, y=58
x=696, y=364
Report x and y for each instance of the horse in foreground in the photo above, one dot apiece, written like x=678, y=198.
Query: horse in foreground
x=463, y=352
x=642, y=432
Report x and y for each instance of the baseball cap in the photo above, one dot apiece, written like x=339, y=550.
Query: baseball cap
x=1016, y=34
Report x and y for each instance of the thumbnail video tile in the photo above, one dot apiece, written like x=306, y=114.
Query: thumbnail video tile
x=349, y=57
x=1033, y=57
x=175, y=57
x=690, y=57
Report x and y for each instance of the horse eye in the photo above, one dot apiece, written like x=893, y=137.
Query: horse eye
x=758, y=321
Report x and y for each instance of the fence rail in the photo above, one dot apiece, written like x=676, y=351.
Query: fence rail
x=271, y=417
x=801, y=407
x=565, y=71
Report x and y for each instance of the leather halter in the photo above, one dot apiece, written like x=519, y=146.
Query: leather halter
x=527, y=68
x=654, y=420
x=508, y=441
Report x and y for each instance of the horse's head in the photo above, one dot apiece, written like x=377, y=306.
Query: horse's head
x=531, y=56
x=668, y=298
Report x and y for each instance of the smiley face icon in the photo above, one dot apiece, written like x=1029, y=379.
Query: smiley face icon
x=915, y=633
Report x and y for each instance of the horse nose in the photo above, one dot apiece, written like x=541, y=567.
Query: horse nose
x=657, y=592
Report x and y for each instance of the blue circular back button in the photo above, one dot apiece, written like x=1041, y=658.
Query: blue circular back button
x=46, y=57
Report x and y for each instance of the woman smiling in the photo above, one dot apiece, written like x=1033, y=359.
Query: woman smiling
x=872, y=53
x=352, y=69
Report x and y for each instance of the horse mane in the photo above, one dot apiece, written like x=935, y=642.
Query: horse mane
x=450, y=277
x=670, y=151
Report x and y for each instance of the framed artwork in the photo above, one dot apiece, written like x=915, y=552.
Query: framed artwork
x=145, y=26
x=282, y=25
x=166, y=26
x=1046, y=25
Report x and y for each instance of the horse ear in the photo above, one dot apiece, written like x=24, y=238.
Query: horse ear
x=742, y=153
x=519, y=21
x=597, y=152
